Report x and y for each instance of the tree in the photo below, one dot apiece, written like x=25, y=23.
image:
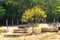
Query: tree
x=48, y=7
x=57, y=13
x=2, y=12
x=54, y=14
x=35, y=15
x=12, y=10
x=50, y=12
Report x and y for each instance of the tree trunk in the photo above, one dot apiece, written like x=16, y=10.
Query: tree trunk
x=54, y=20
x=57, y=25
x=45, y=20
x=12, y=21
x=17, y=21
x=7, y=23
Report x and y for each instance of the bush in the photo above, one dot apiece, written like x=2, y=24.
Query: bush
x=35, y=15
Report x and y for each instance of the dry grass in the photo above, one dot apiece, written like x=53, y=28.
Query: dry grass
x=47, y=36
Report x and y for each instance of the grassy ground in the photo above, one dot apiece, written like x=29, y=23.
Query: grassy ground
x=46, y=36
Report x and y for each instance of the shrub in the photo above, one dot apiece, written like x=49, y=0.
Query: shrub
x=35, y=15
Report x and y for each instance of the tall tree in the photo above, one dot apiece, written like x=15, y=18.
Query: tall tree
x=12, y=9
x=57, y=13
x=2, y=11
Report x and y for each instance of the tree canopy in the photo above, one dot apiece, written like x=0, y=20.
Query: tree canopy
x=11, y=9
x=2, y=12
x=28, y=9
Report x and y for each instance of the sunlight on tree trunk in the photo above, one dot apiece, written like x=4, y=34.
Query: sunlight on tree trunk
x=7, y=23
x=54, y=20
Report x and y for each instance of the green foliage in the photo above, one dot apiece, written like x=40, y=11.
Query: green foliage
x=58, y=9
x=35, y=15
x=11, y=9
x=57, y=14
x=2, y=12
x=15, y=8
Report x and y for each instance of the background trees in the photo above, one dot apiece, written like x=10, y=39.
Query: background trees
x=11, y=10
x=2, y=11
x=14, y=10
x=57, y=13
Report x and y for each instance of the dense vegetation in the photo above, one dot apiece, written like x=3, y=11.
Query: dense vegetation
x=12, y=11
x=34, y=15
